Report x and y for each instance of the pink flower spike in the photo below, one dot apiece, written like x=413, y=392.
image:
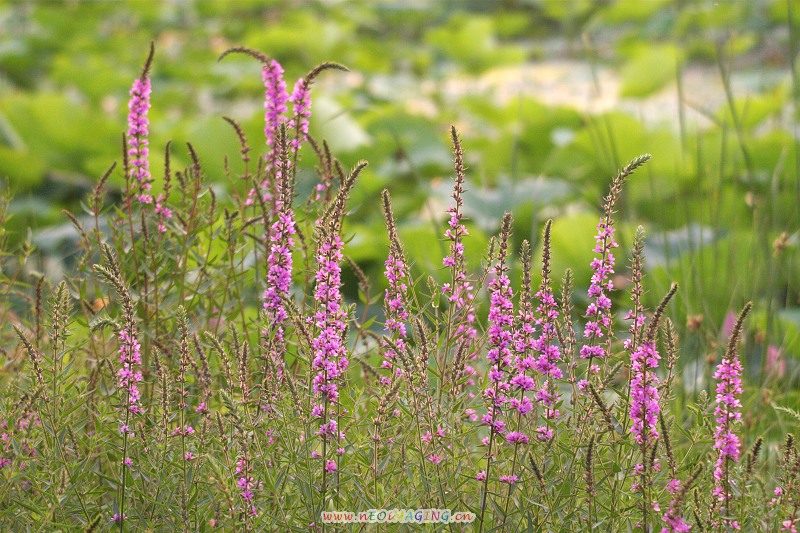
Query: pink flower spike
x=137, y=134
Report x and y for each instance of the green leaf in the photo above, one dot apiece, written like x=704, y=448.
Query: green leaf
x=650, y=69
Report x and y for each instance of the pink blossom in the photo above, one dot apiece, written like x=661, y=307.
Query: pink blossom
x=727, y=413
x=598, y=313
x=644, y=394
x=137, y=136
x=301, y=100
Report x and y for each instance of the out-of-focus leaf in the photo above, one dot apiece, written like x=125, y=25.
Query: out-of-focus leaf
x=650, y=69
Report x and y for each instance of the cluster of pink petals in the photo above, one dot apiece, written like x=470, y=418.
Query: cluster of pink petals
x=644, y=393
x=727, y=412
x=673, y=520
x=460, y=293
x=163, y=212
x=598, y=314
x=330, y=320
x=274, y=106
x=128, y=375
x=275, y=98
x=396, y=273
x=301, y=100
x=138, y=149
x=501, y=337
x=279, y=270
x=549, y=353
x=246, y=484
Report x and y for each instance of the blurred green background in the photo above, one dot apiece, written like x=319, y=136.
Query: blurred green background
x=550, y=96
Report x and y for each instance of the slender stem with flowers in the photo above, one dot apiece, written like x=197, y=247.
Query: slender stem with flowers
x=598, y=329
x=645, y=406
x=459, y=291
x=728, y=413
x=330, y=360
x=128, y=374
x=499, y=357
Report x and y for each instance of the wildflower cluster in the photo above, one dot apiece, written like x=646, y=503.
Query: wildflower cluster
x=598, y=329
x=501, y=320
x=138, y=132
x=397, y=274
x=459, y=291
x=279, y=259
x=209, y=440
x=728, y=413
x=546, y=345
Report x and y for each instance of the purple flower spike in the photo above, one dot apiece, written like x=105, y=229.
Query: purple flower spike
x=274, y=107
x=728, y=413
x=598, y=314
x=330, y=320
x=301, y=98
x=501, y=333
x=130, y=358
x=137, y=136
x=644, y=394
x=279, y=271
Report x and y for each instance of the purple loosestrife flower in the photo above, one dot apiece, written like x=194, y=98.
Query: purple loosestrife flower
x=644, y=394
x=279, y=261
x=459, y=291
x=275, y=98
x=163, y=212
x=597, y=330
x=246, y=484
x=329, y=352
x=501, y=335
x=549, y=353
x=301, y=100
x=598, y=314
x=397, y=274
x=524, y=344
x=330, y=320
x=673, y=520
x=727, y=412
x=130, y=358
x=138, y=133
x=279, y=272
x=645, y=407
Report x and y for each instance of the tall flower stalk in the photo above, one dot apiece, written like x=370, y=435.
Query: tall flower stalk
x=598, y=329
x=546, y=345
x=499, y=358
x=395, y=306
x=128, y=373
x=138, y=150
x=645, y=406
x=459, y=291
x=329, y=351
x=728, y=414
x=279, y=265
